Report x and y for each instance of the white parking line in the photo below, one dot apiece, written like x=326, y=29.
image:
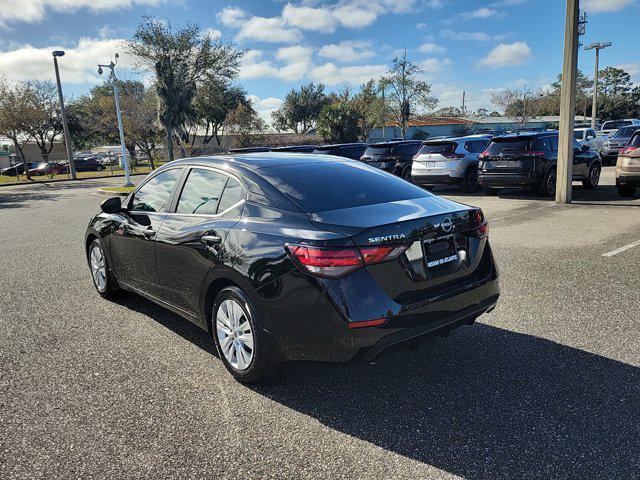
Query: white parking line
x=621, y=249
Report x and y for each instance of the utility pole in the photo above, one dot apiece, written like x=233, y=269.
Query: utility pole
x=594, y=106
x=114, y=81
x=568, y=103
x=463, y=100
x=65, y=126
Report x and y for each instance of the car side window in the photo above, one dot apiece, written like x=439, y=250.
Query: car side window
x=201, y=192
x=232, y=194
x=542, y=144
x=554, y=143
x=154, y=195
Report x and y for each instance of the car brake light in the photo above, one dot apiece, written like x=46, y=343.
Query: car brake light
x=483, y=155
x=453, y=155
x=331, y=262
x=532, y=153
x=367, y=323
x=479, y=223
x=626, y=150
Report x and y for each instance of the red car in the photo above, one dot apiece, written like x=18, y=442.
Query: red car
x=48, y=168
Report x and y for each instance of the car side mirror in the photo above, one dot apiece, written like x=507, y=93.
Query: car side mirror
x=112, y=205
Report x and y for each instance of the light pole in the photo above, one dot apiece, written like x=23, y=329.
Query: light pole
x=114, y=80
x=65, y=127
x=594, y=106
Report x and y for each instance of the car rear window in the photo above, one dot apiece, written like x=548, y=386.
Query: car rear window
x=437, y=147
x=508, y=146
x=626, y=132
x=377, y=150
x=615, y=124
x=635, y=140
x=319, y=186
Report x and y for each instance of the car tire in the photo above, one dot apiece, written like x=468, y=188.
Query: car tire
x=626, y=191
x=549, y=184
x=406, y=173
x=103, y=280
x=471, y=180
x=100, y=168
x=593, y=179
x=239, y=337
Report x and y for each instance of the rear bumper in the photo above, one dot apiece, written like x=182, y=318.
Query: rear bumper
x=312, y=326
x=626, y=180
x=426, y=179
x=506, y=180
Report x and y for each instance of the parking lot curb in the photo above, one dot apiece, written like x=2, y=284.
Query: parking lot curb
x=68, y=180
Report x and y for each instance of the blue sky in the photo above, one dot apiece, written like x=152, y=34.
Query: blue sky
x=474, y=45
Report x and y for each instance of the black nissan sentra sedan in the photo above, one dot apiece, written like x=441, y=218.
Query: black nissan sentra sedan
x=286, y=256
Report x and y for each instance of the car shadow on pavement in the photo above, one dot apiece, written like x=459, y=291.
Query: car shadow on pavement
x=23, y=199
x=484, y=403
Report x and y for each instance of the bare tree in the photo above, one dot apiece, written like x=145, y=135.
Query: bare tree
x=523, y=105
x=43, y=119
x=406, y=92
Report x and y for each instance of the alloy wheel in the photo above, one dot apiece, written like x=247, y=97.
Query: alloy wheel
x=235, y=335
x=595, y=177
x=551, y=183
x=98, y=268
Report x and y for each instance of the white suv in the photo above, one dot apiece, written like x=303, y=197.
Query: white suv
x=451, y=161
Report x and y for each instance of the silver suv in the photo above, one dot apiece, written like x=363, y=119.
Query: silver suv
x=451, y=161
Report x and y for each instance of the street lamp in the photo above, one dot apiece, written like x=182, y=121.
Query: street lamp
x=597, y=47
x=65, y=127
x=114, y=81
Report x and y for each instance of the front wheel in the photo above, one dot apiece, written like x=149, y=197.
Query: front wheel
x=239, y=338
x=103, y=281
x=593, y=179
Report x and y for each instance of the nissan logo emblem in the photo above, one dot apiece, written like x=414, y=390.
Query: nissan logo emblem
x=446, y=224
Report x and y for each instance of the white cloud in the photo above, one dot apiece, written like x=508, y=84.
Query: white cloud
x=435, y=65
x=294, y=61
x=483, y=12
x=348, y=51
x=231, y=16
x=596, y=6
x=353, y=16
x=212, y=33
x=421, y=26
x=309, y=18
x=253, y=66
x=473, y=36
x=271, y=30
x=264, y=106
x=35, y=10
x=330, y=74
x=507, y=55
x=79, y=65
x=431, y=47
x=632, y=69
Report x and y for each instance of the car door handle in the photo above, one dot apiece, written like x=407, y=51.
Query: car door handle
x=211, y=239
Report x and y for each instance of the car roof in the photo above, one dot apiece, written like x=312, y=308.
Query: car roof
x=255, y=161
x=526, y=134
x=394, y=142
x=338, y=145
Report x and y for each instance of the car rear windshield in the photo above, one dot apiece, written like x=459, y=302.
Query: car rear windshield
x=615, y=124
x=437, y=147
x=635, y=140
x=508, y=146
x=323, y=186
x=377, y=150
x=626, y=132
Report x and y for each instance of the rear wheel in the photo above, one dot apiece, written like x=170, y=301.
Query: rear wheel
x=593, y=179
x=471, y=180
x=626, y=191
x=239, y=338
x=549, y=184
x=406, y=173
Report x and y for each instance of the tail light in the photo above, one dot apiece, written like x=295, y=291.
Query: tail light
x=452, y=155
x=331, y=262
x=479, y=223
x=626, y=150
x=532, y=153
x=483, y=155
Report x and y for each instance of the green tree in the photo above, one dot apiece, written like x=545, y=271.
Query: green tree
x=615, y=94
x=181, y=58
x=406, y=92
x=338, y=122
x=14, y=100
x=370, y=107
x=43, y=120
x=301, y=108
x=245, y=124
x=214, y=101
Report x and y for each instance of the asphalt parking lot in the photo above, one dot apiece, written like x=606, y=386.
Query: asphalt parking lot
x=546, y=386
